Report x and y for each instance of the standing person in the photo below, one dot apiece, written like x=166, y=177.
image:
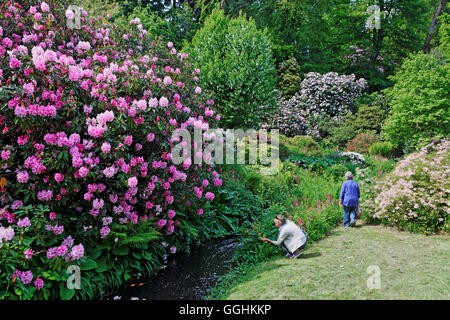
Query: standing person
x=291, y=238
x=350, y=199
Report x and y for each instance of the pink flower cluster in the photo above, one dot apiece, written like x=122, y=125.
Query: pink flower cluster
x=422, y=179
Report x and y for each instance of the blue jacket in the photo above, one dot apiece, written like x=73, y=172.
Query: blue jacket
x=350, y=193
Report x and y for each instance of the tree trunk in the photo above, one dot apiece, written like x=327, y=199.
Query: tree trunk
x=377, y=38
x=426, y=46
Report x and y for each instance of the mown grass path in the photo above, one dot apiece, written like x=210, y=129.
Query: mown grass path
x=412, y=266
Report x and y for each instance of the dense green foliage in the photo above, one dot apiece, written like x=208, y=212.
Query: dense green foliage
x=381, y=149
x=419, y=101
x=298, y=145
x=289, y=77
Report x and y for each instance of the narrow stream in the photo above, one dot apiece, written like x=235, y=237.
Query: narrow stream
x=186, y=277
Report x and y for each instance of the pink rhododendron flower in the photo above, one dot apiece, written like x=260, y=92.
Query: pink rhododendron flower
x=59, y=177
x=75, y=73
x=28, y=253
x=98, y=203
x=209, y=196
x=128, y=140
x=162, y=223
x=44, y=7
x=24, y=223
x=150, y=137
x=132, y=182
x=26, y=277
x=5, y=154
x=38, y=283
x=6, y=233
x=167, y=80
x=163, y=101
x=77, y=252
x=14, y=63
x=83, y=171
x=106, y=147
x=61, y=250
x=153, y=103
x=22, y=177
x=171, y=214
x=104, y=231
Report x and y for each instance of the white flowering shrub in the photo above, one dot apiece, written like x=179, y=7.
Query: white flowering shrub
x=326, y=98
x=331, y=93
x=292, y=118
x=354, y=157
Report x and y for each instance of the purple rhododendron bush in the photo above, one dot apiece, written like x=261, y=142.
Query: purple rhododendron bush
x=86, y=174
x=415, y=195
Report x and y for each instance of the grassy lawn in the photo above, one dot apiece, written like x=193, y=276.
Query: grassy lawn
x=412, y=266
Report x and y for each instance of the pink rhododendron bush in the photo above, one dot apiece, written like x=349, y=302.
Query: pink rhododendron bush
x=86, y=121
x=415, y=196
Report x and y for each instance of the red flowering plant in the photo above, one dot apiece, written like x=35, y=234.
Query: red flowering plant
x=362, y=142
x=87, y=116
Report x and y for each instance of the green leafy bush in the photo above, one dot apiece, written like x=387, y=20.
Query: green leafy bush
x=289, y=77
x=419, y=101
x=237, y=68
x=341, y=135
x=369, y=118
x=337, y=170
x=381, y=149
x=298, y=145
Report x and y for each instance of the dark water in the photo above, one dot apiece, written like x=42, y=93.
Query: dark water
x=186, y=276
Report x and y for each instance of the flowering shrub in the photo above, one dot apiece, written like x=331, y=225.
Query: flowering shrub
x=85, y=126
x=292, y=119
x=354, y=157
x=415, y=195
x=331, y=93
x=325, y=99
x=362, y=142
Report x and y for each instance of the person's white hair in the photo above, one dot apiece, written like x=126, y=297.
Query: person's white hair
x=348, y=175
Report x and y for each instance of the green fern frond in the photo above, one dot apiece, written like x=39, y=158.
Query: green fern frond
x=139, y=238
